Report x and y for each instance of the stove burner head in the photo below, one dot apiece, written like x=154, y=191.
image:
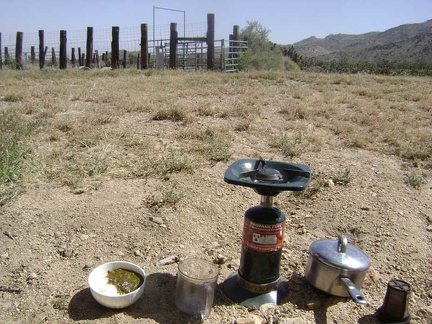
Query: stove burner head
x=268, y=178
x=268, y=175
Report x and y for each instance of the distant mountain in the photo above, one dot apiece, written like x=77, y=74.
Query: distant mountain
x=409, y=42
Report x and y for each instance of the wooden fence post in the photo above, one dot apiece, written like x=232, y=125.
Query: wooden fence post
x=53, y=57
x=210, y=40
x=115, y=47
x=7, y=57
x=144, y=47
x=89, y=46
x=234, y=46
x=236, y=32
x=173, y=46
x=18, y=50
x=1, y=58
x=80, y=62
x=73, y=59
x=32, y=54
x=63, y=55
x=41, y=50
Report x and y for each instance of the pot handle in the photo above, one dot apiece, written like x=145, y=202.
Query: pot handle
x=355, y=294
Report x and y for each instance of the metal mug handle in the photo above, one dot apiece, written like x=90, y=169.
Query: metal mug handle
x=355, y=294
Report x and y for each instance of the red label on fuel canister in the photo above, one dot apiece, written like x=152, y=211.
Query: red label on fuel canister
x=261, y=237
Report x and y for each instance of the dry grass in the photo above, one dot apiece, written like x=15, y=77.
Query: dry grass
x=135, y=124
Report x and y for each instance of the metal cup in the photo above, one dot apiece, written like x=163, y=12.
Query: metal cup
x=196, y=285
x=396, y=300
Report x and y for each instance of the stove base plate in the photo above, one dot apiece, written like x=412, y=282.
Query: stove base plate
x=251, y=300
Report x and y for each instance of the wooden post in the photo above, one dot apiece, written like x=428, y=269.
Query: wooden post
x=235, y=41
x=144, y=47
x=138, y=61
x=80, y=62
x=18, y=50
x=32, y=54
x=7, y=58
x=73, y=59
x=89, y=47
x=173, y=46
x=41, y=50
x=236, y=32
x=1, y=58
x=53, y=57
x=115, y=48
x=63, y=54
x=210, y=40
x=82, y=58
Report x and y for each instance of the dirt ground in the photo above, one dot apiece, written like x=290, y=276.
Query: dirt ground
x=57, y=237
x=52, y=237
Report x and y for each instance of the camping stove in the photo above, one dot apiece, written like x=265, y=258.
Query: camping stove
x=257, y=281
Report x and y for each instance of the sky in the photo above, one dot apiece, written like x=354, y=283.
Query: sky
x=288, y=21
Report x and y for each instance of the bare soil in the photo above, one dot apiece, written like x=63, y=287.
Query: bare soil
x=52, y=236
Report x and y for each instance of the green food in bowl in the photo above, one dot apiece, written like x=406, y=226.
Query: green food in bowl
x=124, y=280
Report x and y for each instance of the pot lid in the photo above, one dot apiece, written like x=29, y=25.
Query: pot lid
x=339, y=254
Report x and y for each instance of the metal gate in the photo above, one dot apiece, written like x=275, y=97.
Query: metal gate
x=233, y=54
x=192, y=55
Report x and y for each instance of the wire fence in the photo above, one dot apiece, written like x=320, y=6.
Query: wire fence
x=191, y=53
x=129, y=38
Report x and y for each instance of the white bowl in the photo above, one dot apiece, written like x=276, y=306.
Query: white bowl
x=111, y=299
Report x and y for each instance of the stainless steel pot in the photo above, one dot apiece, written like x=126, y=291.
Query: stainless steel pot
x=337, y=268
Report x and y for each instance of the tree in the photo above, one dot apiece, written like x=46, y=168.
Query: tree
x=261, y=53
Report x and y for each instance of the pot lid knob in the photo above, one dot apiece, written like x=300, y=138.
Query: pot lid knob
x=339, y=254
x=342, y=243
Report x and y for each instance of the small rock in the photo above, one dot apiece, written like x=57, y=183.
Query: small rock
x=78, y=191
x=365, y=208
x=168, y=260
x=220, y=259
x=66, y=252
x=329, y=183
x=4, y=255
x=120, y=254
x=84, y=237
x=429, y=219
x=8, y=234
x=138, y=253
x=429, y=228
x=313, y=305
x=32, y=275
x=156, y=220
